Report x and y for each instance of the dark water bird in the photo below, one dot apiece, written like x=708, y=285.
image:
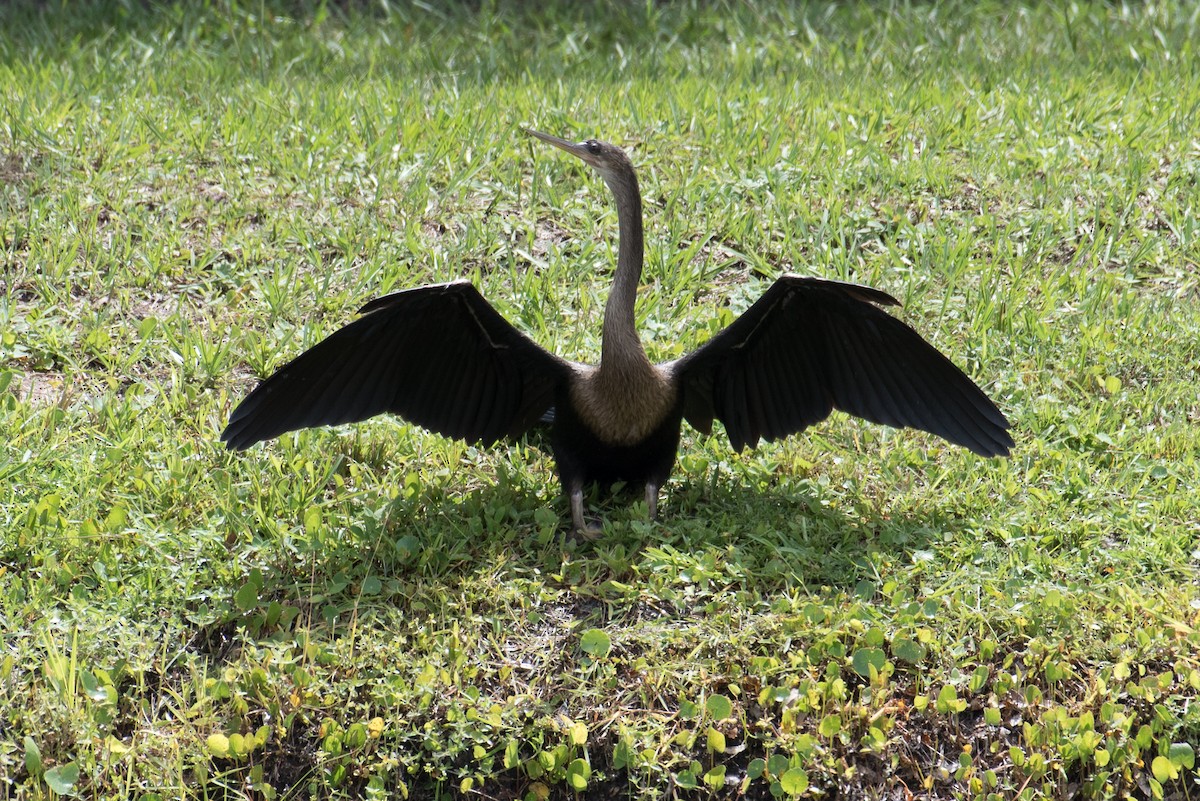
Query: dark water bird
x=440, y=356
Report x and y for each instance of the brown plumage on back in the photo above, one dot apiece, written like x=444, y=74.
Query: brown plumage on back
x=442, y=357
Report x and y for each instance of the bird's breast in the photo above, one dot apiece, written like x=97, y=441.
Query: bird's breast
x=623, y=409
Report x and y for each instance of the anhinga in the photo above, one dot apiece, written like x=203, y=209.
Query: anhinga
x=442, y=357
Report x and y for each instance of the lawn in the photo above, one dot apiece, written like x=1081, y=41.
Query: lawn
x=190, y=195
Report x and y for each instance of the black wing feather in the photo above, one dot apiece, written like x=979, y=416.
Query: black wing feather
x=768, y=379
x=439, y=356
x=809, y=346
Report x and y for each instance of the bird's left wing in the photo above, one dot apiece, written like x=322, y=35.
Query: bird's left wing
x=439, y=356
x=809, y=346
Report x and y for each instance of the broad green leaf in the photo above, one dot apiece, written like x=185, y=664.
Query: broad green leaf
x=1182, y=754
x=116, y=517
x=979, y=678
x=866, y=658
x=948, y=701
x=246, y=597
x=406, y=547
x=512, y=755
x=33, y=757
x=794, y=781
x=596, y=643
x=218, y=745
x=865, y=589
x=1163, y=770
x=908, y=650
x=719, y=707
x=356, y=736
x=62, y=779
x=578, y=774
x=622, y=755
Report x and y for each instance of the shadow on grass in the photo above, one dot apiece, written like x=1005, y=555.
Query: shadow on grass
x=763, y=542
x=744, y=537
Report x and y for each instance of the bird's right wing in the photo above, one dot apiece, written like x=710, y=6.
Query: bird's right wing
x=439, y=356
x=809, y=346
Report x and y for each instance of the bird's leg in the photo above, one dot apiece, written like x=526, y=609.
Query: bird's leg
x=589, y=531
x=576, y=495
x=652, y=500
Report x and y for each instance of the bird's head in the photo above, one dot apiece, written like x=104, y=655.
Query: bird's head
x=609, y=160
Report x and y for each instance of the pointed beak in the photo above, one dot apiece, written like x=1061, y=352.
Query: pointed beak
x=576, y=149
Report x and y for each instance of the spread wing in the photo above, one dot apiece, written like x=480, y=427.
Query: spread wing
x=809, y=346
x=439, y=356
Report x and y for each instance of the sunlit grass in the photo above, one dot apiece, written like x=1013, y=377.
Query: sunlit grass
x=190, y=197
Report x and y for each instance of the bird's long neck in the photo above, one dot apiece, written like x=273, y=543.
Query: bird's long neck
x=621, y=348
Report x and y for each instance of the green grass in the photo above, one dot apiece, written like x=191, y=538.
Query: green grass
x=189, y=197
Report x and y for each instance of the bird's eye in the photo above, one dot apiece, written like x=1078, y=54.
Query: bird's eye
x=593, y=147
